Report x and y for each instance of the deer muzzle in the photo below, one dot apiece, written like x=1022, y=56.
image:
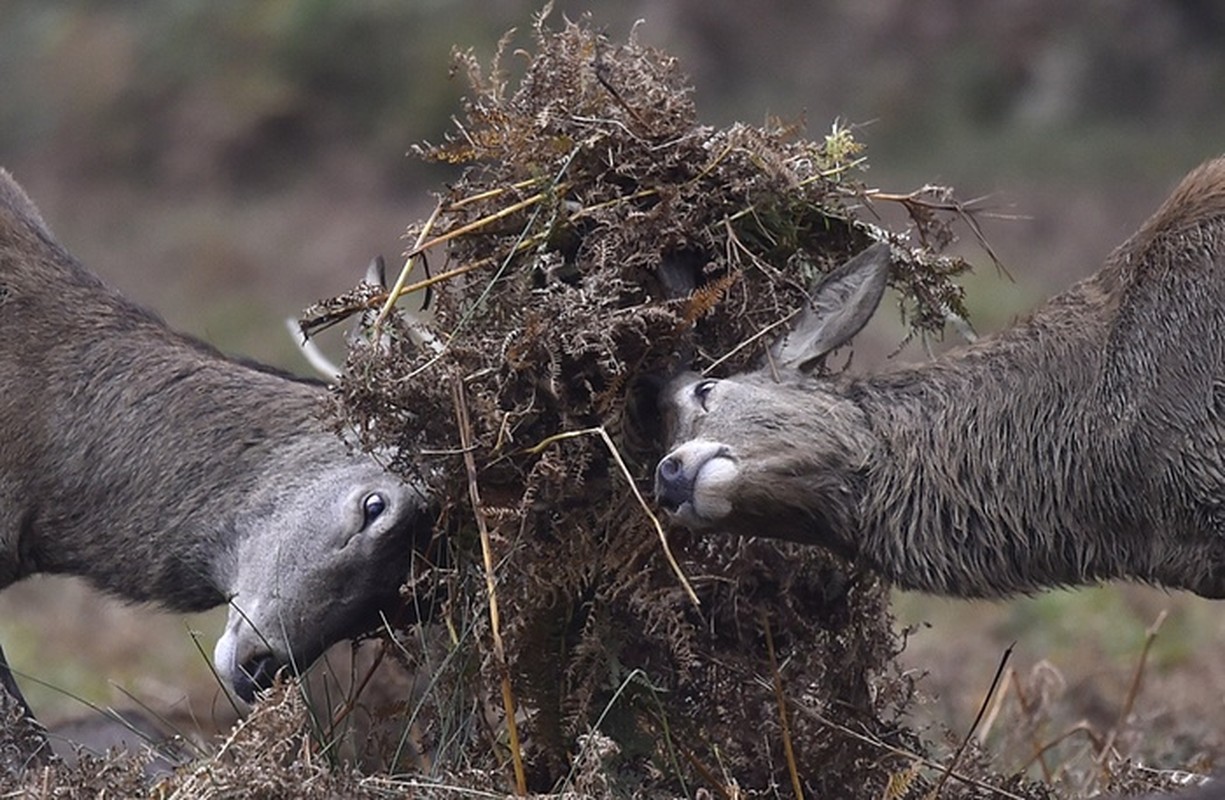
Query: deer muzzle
x=693, y=482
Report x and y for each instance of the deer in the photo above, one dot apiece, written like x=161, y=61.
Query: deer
x=162, y=471
x=1084, y=444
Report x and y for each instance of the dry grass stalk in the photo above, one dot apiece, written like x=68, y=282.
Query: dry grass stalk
x=978, y=718
x=397, y=289
x=1133, y=688
x=781, y=699
x=495, y=625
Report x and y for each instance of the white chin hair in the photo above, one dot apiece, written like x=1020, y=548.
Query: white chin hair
x=710, y=490
x=224, y=658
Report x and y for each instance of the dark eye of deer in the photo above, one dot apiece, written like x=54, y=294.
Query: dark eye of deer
x=701, y=392
x=372, y=507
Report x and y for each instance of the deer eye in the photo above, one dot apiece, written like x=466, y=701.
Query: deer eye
x=701, y=392
x=373, y=506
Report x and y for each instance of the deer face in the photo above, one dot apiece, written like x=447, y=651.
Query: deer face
x=697, y=478
x=317, y=564
x=748, y=452
x=764, y=448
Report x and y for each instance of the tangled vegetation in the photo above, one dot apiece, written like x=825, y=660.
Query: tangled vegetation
x=600, y=234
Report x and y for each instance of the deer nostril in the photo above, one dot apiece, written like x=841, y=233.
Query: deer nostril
x=670, y=468
x=671, y=489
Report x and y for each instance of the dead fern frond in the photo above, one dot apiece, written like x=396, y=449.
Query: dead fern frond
x=705, y=298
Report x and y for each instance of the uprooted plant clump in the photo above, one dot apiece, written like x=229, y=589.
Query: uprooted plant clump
x=599, y=235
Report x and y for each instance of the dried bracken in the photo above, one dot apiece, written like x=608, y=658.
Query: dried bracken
x=270, y=754
x=23, y=747
x=599, y=235
x=28, y=770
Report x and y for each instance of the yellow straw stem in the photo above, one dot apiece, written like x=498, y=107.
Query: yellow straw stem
x=394, y=293
x=499, y=650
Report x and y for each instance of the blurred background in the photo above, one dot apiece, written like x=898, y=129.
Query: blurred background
x=230, y=163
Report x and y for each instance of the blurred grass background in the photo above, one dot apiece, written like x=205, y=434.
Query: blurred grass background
x=229, y=163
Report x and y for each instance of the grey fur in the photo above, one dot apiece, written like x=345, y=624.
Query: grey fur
x=1084, y=444
x=161, y=471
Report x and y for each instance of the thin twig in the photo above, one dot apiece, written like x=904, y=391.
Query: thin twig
x=898, y=751
x=1080, y=727
x=1012, y=683
x=984, y=730
x=616, y=201
x=400, y=787
x=765, y=330
x=489, y=194
x=705, y=774
x=355, y=694
x=159, y=717
x=967, y=212
x=410, y=261
x=1150, y=635
x=208, y=661
x=995, y=682
x=499, y=651
x=751, y=208
x=1030, y=709
x=425, y=283
x=781, y=699
x=523, y=242
x=489, y=219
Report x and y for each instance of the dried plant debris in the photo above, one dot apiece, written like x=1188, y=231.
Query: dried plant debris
x=28, y=769
x=23, y=743
x=270, y=754
x=598, y=235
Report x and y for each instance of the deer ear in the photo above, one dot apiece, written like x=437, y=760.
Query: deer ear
x=841, y=303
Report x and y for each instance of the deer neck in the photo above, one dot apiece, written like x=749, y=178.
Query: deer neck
x=161, y=456
x=986, y=474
